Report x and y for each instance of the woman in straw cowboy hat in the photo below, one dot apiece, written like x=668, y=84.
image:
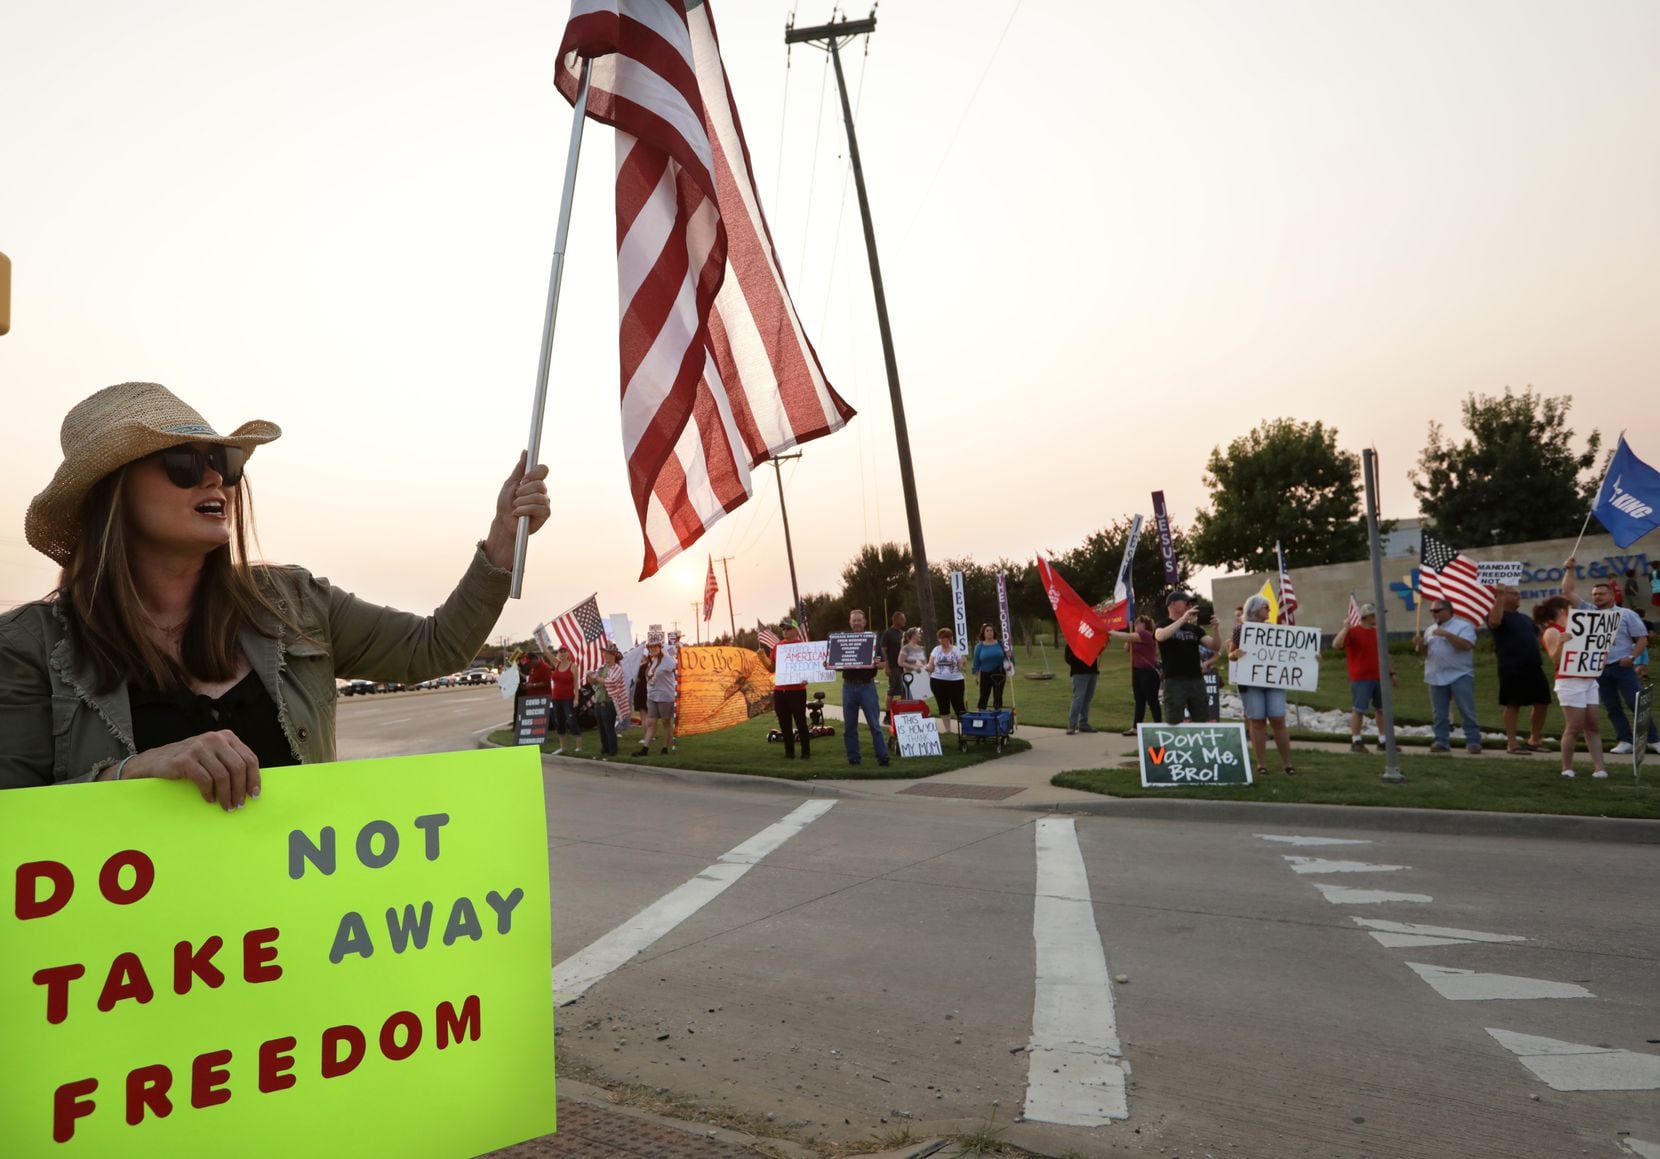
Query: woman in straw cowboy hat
x=164, y=651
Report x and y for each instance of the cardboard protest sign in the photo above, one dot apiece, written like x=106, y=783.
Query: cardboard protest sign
x=918, y=735
x=1586, y=642
x=1194, y=754
x=720, y=687
x=530, y=721
x=357, y=962
x=802, y=663
x=852, y=649
x=1277, y=656
x=1490, y=573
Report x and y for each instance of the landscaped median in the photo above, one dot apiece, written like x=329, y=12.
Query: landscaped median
x=1490, y=783
x=744, y=748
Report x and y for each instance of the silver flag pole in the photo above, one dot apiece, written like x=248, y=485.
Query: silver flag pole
x=579, y=114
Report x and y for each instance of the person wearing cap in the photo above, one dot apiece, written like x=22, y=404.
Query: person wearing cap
x=1450, y=672
x=660, y=684
x=164, y=651
x=789, y=702
x=1179, y=637
x=1521, y=666
x=1360, y=652
x=609, y=687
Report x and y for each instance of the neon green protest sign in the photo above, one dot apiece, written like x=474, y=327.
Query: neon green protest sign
x=356, y=963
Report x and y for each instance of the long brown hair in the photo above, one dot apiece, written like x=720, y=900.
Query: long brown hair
x=107, y=621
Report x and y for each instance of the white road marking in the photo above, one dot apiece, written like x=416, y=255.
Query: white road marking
x=1076, y=1074
x=1343, y=895
x=1642, y=1149
x=399, y=720
x=573, y=976
x=1403, y=934
x=1311, y=840
x=1321, y=865
x=1469, y=986
x=1571, y=1066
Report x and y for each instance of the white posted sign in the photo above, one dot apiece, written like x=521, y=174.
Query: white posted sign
x=802, y=663
x=1502, y=572
x=919, y=736
x=1277, y=656
x=1585, y=644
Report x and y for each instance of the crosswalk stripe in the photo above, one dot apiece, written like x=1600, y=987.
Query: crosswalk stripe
x=1076, y=1074
x=573, y=976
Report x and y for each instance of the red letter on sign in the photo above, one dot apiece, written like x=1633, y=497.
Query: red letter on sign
x=68, y=1104
x=334, y=1066
x=275, y=1059
x=188, y=963
x=109, y=877
x=126, y=979
x=29, y=874
x=208, y=1077
x=56, y=979
x=389, y=1035
x=147, y=1089
x=463, y=1025
x=259, y=956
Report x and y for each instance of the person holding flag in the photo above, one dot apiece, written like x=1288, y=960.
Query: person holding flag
x=1359, y=640
x=1450, y=672
x=1143, y=648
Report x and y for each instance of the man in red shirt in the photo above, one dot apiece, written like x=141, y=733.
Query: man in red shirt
x=1360, y=649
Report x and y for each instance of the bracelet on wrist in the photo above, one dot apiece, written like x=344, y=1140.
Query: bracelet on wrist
x=116, y=776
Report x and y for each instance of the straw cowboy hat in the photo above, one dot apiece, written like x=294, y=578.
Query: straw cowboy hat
x=118, y=425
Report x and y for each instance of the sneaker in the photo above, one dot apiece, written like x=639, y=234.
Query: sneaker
x=1568, y=773
x=1071, y=732
x=1357, y=746
x=1128, y=732
x=1438, y=747
x=1600, y=775
x=577, y=749
x=556, y=752
x=642, y=751
x=1622, y=748
x=1474, y=750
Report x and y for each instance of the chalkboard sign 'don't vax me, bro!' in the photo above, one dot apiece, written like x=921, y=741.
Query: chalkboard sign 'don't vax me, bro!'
x=852, y=650
x=1194, y=754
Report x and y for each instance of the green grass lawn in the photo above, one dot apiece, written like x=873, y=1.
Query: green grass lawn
x=1497, y=784
x=745, y=749
x=1046, y=702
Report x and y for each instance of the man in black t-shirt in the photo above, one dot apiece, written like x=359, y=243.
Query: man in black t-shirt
x=1521, y=668
x=892, y=641
x=1180, y=636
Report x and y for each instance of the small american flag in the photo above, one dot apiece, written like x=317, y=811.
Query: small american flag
x=583, y=632
x=1288, y=594
x=1353, y=620
x=765, y=637
x=710, y=588
x=1452, y=576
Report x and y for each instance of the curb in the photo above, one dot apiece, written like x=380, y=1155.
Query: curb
x=610, y=769
x=1459, y=822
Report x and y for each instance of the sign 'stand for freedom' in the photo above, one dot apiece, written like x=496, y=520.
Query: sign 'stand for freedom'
x=1194, y=754
x=852, y=649
x=1585, y=649
x=919, y=736
x=802, y=663
x=356, y=963
x=1277, y=656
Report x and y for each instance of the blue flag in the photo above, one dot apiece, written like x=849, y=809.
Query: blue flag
x=1629, y=497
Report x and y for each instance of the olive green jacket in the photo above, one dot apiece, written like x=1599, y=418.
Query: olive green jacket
x=55, y=727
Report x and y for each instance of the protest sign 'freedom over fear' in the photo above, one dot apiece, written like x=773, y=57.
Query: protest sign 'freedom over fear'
x=1277, y=656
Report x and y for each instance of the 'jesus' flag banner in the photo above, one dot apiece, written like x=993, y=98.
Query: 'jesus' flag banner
x=1629, y=497
x=357, y=963
x=1167, y=542
x=1085, y=631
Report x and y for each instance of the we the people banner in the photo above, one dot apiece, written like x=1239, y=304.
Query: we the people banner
x=356, y=963
x=1585, y=647
x=720, y=687
x=1277, y=656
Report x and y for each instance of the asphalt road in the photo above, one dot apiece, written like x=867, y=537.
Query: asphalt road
x=853, y=966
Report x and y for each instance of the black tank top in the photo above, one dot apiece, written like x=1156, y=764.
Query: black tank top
x=161, y=718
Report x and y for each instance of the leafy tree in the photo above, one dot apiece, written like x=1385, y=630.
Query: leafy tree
x=1515, y=479
x=880, y=580
x=1092, y=567
x=1285, y=481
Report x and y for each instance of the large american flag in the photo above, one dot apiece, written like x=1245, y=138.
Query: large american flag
x=583, y=632
x=1288, y=594
x=717, y=372
x=710, y=588
x=1446, y=574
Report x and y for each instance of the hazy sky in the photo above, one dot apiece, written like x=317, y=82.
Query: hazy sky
x=1113, y=235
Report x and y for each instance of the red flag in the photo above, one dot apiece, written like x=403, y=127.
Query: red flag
x=1115, y=614
x=1085, y=631
x=717, y=372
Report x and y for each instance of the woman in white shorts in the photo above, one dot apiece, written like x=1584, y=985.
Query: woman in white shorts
x=1577, y=694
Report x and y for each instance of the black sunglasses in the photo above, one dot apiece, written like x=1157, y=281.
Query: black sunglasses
x=187, y=466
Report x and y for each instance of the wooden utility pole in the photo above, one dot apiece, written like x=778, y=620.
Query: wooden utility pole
x=832, y=36
x=789, y=550
x=730, y=618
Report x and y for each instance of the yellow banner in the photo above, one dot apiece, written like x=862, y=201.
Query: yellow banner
x=357, y=963
x=720, y=687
